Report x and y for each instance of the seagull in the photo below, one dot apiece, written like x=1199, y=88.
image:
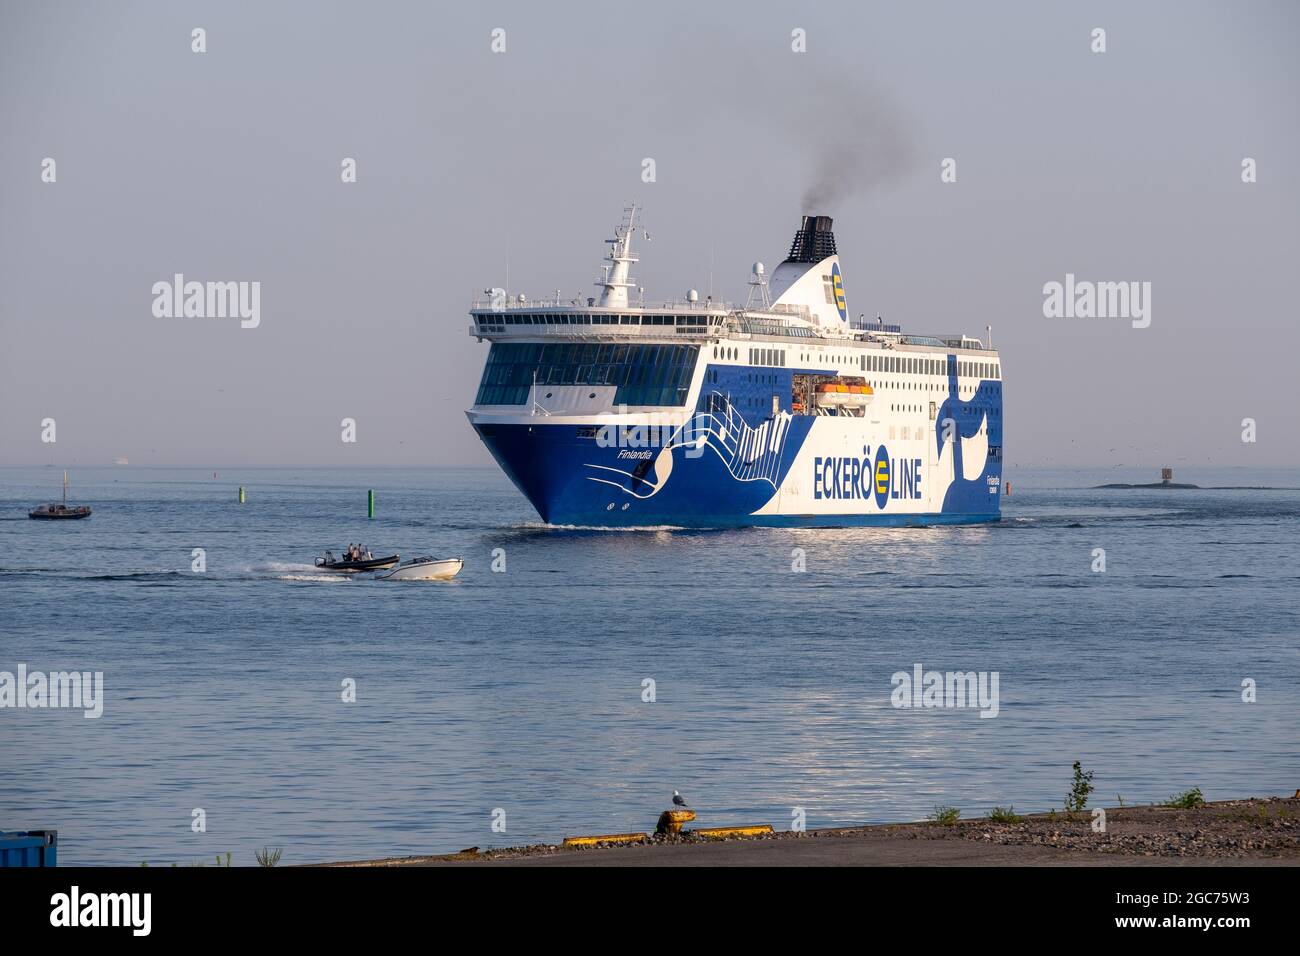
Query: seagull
x=678, y=799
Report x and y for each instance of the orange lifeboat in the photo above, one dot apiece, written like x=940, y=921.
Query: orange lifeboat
x=835, y=388
x=841, y=394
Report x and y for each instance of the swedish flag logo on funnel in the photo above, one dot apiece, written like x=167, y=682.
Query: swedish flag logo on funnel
x=838, y=285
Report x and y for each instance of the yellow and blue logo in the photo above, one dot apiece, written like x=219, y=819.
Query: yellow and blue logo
x=838, y=284
x=883, y=474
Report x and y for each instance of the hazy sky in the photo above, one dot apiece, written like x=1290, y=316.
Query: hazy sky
x=225, y=166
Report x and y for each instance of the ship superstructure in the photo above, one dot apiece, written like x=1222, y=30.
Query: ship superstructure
x=614, y=412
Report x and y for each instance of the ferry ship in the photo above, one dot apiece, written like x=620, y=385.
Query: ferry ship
x=618, y=413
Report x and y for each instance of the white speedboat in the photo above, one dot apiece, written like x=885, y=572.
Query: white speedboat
x=424, y=569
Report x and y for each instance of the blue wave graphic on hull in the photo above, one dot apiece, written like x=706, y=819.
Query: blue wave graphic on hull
x=749, y=453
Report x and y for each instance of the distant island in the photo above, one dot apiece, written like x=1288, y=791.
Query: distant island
x=1153, y=484
x=1167, y=481
x=1170, y=484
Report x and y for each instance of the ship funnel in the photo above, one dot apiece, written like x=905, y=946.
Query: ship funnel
x=814, y=241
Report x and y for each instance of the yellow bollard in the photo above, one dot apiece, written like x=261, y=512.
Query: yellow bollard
x=670, y=821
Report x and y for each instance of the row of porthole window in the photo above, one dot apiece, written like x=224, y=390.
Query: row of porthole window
x=911, y=365
x=989, y=388
x=992, y=412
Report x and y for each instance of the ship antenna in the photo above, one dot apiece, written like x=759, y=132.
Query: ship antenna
x=616, y=281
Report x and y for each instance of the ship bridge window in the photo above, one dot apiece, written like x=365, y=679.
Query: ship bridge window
x=641, y=374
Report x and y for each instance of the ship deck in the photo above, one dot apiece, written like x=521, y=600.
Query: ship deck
x=686, y=321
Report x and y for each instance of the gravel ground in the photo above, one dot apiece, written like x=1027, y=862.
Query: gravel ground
x=1230, y=828
x=1259, y=830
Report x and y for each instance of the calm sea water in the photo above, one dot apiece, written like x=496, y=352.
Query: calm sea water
x=523, y=690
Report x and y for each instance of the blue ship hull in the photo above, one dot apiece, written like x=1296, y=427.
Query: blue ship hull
x=571, y=480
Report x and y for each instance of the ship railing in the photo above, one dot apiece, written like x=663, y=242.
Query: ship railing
x=964, y=342
x=748, y=326
x=802, y=311
x=510, y=303
x=593, y=333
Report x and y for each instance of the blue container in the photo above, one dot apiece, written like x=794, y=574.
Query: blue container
x=33, y=848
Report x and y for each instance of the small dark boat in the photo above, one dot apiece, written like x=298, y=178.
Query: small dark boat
x=56, y=510
x=366, y=563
